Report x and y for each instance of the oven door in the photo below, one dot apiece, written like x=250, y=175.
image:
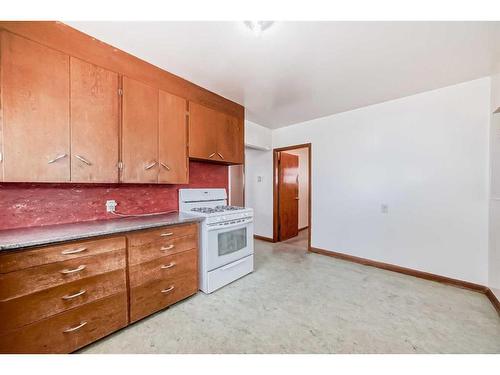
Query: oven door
x=229, y=243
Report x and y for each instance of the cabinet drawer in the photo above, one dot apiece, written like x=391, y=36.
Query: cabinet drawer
x=169, y=268
x=144, y=237
x=152, y=245
x=70, y=330
x=30, y=280
x=21, y=311
x=158, y=294
x=19, y=260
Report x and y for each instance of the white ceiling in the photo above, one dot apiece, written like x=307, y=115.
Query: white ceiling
x=297, y=71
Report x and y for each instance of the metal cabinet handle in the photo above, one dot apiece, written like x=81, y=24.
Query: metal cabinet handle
x=211, y=155
x=165, y=166
x=73, y=251
x=168, y=289
x=75, y=328
x=169, y=247
x=78, y=269
x=167, y=266
x=151, y=165
x=166, y=234
x=71, y=296
x=57, y=158
x=82, y=159
x=218, y=153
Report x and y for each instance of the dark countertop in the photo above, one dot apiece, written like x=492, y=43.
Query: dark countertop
x=11, y=239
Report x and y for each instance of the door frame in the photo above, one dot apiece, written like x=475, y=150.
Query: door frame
x=276, y=192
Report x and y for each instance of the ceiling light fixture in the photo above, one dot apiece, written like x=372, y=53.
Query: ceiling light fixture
x=258, y=26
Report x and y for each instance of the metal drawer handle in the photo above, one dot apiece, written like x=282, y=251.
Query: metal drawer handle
x=167, y=266
x=166, y=234
x=57, y=158
x=75, y=251
x=78, y=269
x=151, y=165
x=71, y=296
x=165, y=166
x=82, y=159
x=211, y=155
x=168, y=289
x=75, y=328
x=169, y=247
x=222, y=157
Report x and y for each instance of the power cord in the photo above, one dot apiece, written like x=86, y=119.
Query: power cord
x=143, y=215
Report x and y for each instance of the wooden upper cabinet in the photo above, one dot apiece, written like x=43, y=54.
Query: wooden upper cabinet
x=214, y=135
x=62, y=118
x=173, y=157
x=94, y=123
x=202, y=132
x=139, y=132
x=35, y=93
x=230, y=140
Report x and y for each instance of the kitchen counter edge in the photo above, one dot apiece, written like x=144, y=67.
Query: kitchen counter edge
x=29, y=237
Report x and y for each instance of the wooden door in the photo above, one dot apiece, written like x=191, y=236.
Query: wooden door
x=35, y=93
x=139, y=132
x=288, y=193
x=94, y=123
x=229, y=139
x=172, y=139
x=203, y=132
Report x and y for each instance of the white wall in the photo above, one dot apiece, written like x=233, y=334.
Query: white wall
x=259, y=178
x=494, y=254
x=495, y=92
x=257, y=136
x=303, y=154
x=426, y=157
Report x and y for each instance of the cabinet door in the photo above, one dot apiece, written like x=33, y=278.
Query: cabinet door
x=94, y=123
x=172, y=139
x=230, y=140
x=140, y=132
x=202, y=132
x=35, y=91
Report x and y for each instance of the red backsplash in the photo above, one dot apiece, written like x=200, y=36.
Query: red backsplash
x=26, y=204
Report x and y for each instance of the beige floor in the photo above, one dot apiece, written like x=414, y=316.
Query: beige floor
x=299, y=302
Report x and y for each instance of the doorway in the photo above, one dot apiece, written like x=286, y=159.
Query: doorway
x=292, y=195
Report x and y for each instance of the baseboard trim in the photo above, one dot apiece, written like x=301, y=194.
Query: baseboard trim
x=263, y=238
x=494, y=300
x=306, y=227
x=407, y=271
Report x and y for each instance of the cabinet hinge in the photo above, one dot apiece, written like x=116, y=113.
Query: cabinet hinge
x=187, y=113
x=120, y=92
x=120, y=165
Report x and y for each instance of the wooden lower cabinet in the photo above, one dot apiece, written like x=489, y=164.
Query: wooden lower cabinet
x=57, y=299
x=162, y=273
x=70, y=330
x=21, y=311
x=169, y=268
x=160, y=293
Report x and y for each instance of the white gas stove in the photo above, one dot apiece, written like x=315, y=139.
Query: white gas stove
x=226, y=236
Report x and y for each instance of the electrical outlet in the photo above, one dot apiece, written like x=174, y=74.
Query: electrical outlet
x=384, y=208
x=111, y=205
x=259, y=178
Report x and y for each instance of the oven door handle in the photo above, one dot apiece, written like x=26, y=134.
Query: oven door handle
x=217, y=226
